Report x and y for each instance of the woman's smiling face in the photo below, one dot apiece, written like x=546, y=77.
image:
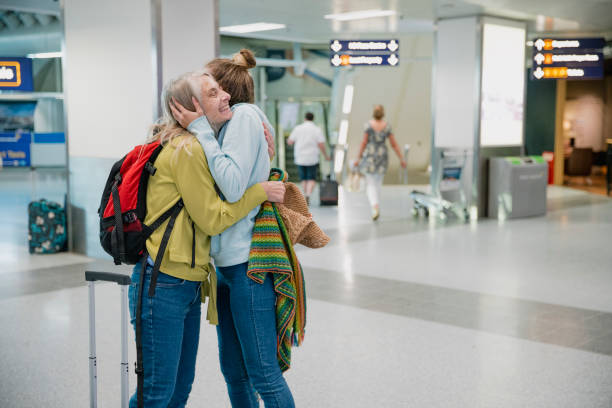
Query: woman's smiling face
x=215, y=102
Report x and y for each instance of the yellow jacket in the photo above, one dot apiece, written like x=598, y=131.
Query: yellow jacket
x=184, y=173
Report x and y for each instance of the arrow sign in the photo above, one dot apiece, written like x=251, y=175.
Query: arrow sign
x=560, y=58
x=336, y=61
x=539, y=58
x=538, y=73
x=393, y=46
x=393, y=60
x=335, y=46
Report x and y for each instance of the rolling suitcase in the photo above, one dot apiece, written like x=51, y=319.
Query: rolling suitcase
x=123, y=281
x=47, y=227
x=328, y=191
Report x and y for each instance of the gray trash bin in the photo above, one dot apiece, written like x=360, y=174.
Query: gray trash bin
x=517, y=186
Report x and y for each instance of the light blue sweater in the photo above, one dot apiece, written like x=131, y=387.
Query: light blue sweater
x=238, y=160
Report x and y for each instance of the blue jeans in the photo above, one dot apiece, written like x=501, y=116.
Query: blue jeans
x=170, y=336
x=247, y=340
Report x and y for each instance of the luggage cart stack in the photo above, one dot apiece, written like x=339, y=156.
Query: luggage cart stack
x=448, y=195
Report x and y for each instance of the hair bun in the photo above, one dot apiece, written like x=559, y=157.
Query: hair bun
x=244, y=58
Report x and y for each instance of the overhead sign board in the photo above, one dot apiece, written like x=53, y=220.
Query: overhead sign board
x=364, y=52
x=568, y=58
x=360, y=59
x=16, y=74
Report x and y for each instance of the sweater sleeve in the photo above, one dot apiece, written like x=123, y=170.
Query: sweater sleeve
x=196, y=187
x=232, y=164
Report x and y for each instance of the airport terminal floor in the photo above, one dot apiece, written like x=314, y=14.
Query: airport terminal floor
x=401, y=313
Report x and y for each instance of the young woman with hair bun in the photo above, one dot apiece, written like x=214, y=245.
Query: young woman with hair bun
x=171, y=317
x=238, y=157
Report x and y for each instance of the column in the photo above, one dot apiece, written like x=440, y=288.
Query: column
x=478, y=103
x=117, y=55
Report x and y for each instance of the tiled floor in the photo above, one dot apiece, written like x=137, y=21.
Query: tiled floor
x=595, y=184
x=401, y=313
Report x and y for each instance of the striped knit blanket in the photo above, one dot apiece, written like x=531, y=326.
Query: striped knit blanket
x=272, y=252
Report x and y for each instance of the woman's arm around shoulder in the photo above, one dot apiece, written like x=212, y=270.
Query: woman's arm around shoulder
x=195, y=185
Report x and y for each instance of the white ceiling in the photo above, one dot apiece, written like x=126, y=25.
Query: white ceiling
x=33, y=26
x=305, y=22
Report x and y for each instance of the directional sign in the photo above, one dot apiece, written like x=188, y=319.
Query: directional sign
x=364, y=52
x=566, y=73
x=339, y=60
x=568, y=58
x=549, y=44
x=360, y=46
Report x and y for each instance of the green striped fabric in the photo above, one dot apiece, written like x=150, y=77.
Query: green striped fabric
x=272, y=252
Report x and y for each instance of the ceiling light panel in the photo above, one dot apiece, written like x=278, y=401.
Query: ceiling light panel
x=251, y=28
x=360, y=15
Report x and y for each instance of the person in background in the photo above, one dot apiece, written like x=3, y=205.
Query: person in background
x=373, y=158
x=308, y=140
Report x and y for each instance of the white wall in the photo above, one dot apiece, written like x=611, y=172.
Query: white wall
x=188, y=26
x=456, y=82
x=108, y=76
x=302, y=87
x=585, y=113
x=405, y=92
x=109, y=82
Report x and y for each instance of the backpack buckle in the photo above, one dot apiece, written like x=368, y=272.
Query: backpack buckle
x=150, y=168
x=129, y=217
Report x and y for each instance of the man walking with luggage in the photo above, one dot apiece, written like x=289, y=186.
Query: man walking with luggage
x=308, y=140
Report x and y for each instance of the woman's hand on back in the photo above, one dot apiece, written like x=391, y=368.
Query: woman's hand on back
x=184, y=116
x=270, y=141
x=275, y=190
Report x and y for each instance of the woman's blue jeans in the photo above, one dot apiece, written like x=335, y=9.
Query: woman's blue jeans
x=170, y=336
x=247, y=340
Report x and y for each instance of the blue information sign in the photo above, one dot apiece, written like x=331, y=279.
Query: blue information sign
x=49, y=137
x=361, y=46
x=16, y=74
x=568, y=58
x=15, y=149
x=364, y=52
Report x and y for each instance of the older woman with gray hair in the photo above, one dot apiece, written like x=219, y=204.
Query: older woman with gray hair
x=167, y=323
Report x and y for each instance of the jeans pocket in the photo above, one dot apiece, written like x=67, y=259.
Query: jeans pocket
x=263, y=296
x=168, y=281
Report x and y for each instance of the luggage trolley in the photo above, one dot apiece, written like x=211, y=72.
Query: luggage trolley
x=448, y=196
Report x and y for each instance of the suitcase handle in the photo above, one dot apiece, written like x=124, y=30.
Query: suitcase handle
x=123, y=281
x=118, y=278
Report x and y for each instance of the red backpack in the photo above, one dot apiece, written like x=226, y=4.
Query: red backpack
x=123, y=233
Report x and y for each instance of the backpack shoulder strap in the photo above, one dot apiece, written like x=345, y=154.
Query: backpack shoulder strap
x=173, y=214
x=117, y=239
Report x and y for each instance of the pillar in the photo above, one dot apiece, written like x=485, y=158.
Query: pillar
x=117, y=56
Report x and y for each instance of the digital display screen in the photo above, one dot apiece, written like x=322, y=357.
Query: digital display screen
x=503, y=85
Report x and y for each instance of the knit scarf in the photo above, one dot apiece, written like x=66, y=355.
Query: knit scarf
x=272, y=252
